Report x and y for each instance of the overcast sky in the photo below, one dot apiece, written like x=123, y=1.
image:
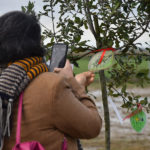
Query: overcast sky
x=11, y=5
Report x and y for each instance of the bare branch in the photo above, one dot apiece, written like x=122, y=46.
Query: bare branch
x=45, y=27
x=131, y=41
x=52, y=17
x=81, y=56
x=120, y=94
x=134, y=15
x=127, y=17
x=96, y=25
x=91, y=51
x=88, y=16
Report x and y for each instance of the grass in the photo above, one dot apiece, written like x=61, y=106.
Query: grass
x=83, y=66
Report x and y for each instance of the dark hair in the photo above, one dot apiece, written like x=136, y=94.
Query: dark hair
x=20, y=37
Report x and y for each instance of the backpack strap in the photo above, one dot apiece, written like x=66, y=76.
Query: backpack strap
x=18, y=131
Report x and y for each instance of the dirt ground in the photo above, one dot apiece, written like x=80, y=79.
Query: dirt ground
x=123, y=136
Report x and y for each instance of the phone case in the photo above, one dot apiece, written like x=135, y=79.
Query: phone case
x=58, y=58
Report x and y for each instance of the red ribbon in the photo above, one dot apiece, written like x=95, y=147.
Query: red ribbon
x=104, y=51
x=139, y=109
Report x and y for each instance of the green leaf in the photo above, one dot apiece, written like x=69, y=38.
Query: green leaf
x=130, y=98
x=52, y=39
x=77, y=38
x=49, y=44
x=110, y=43
x=144, y=102
x=45, y=6
x=23, y=9
x=111, y=92
x=117, y=6
x=30, y=5
x=117, y=43
x=77, y=20
x=85, y=24
x=123, y=90
x=125, y=7
x=137, y=97
x=115, y=95
x=126, y=105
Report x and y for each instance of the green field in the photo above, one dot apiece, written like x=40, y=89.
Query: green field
x=83, y=66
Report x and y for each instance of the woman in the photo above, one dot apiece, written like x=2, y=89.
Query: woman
x=55, y=105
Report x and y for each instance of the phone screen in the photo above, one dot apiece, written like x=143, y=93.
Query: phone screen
x=58, y=58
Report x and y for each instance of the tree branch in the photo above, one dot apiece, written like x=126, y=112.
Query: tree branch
x=88, y=16
x=133, y=15
x=96, y=24
x=44, y=27
x=133, y=40
x=52, y=17
x=120, y=94
x=147, y=55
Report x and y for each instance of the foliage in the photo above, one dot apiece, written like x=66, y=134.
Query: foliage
x=117, y=23
x=113, y=23
x=29, y=9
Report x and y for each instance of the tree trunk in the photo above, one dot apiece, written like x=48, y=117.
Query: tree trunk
x=99, y=44
x=106, y=109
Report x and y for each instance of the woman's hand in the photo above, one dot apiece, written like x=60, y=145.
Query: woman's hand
x=66, y=71
x=85, y=78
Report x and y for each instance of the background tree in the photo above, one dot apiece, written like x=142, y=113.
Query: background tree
x=113, y=23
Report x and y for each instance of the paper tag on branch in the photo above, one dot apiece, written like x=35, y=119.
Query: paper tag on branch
x=101, y=60
x=138, y=121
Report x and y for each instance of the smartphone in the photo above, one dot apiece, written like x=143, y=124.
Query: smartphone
x=58, y=57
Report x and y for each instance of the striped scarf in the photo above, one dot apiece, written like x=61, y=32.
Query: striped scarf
x=13, y=80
